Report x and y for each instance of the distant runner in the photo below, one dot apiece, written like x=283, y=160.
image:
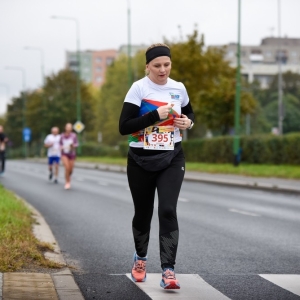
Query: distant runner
x=68, y=143
x=155, y=109
x=52, y=142
x=3, y=141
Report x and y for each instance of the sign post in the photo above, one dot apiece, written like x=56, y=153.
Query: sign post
x=26, y=138
x=79, y=127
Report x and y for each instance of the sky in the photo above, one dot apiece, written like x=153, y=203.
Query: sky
x=103, y=25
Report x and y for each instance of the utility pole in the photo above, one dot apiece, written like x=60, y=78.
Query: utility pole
x=280, y=93
x=129, y=45
x=236, y=141
x=43, y=114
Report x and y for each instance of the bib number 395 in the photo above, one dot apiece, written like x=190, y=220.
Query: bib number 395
x=159, y=138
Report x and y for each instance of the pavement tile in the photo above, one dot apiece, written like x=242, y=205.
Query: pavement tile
x=21, y=286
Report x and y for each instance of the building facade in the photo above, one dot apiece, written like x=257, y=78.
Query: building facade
x=260, y=62
x=93, y=64
x=134, y=49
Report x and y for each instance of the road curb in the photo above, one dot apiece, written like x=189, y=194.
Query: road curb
x=249, y=185
x=65, y=285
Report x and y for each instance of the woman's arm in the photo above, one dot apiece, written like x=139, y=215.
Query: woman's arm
x=75, y=141
x=131, y=122
x=188, y=111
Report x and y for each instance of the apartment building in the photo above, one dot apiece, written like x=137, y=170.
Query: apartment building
x=260, y=62
x=93, y=64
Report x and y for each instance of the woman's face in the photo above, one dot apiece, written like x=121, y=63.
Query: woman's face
x=69, y=127
x=159, y=69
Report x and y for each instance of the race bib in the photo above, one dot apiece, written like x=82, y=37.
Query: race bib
x=67, y=146
x=159, y=138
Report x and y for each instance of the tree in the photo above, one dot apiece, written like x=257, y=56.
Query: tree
x=61, y=101
x=290, y=84
x=14, y=121
x=291, y=122
x=53, y=105
x=210, y=82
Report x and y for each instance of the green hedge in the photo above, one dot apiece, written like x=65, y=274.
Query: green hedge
x=264, y=149
x=255, y=149
x=94, y=149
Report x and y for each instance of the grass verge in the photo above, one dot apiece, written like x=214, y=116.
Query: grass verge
x=279, y=171
x=19, y=249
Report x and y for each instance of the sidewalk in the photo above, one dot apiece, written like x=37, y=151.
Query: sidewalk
x=30, y=286
x=270, y=184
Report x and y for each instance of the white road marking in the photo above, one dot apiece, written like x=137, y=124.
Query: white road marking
x=242, y=212
x=192, y=287
x=183, y=200
x=290, y=282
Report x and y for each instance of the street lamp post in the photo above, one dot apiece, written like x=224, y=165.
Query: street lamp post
x=236, y=142
x=41, y=51
x=129, y=45
x=7, y=89
x=22, y=70
x=78, y=106
x=280, y=104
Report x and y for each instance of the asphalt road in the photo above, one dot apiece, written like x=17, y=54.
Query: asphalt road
x=227, y=235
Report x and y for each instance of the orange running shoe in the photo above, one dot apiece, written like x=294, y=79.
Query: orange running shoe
x=169, y=281
x=67, y=186
x=138, y=272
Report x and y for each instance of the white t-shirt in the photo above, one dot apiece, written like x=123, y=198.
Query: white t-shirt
x=55, y=149
x=150, y=96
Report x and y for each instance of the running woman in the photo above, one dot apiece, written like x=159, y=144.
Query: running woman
x=52, y=142
x=155, y=109
x=3, y=141
x=68, y=143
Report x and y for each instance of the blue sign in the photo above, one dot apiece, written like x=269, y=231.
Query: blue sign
x=26, y=134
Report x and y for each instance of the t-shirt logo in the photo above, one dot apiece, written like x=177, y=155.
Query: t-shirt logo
x=173, y=96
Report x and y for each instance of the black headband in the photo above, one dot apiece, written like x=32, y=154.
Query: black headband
x=156, y=52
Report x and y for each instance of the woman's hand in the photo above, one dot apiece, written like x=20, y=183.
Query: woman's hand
x=163, y=111
x=183, y=122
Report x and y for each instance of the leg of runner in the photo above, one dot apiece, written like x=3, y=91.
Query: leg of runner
x=168, y=188
x=71, y=167
x=66, y=163
x=56, y=168
x=50, y=164
x=2, y=158
x=142, y=186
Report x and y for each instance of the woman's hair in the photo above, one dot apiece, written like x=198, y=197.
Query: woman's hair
x=157, y=45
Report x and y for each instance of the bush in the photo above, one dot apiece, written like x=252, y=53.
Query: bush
x=94, y=149
x=123, y=147
x=264, y=149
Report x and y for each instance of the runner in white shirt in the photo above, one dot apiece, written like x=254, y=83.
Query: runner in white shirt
x=52, y=142
x=155, y=109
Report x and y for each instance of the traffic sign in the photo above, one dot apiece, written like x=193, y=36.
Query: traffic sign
x=78, y=126
x=26, y=134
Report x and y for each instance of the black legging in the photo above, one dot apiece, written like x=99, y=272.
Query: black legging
x=143, y=185
x=2, y=160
